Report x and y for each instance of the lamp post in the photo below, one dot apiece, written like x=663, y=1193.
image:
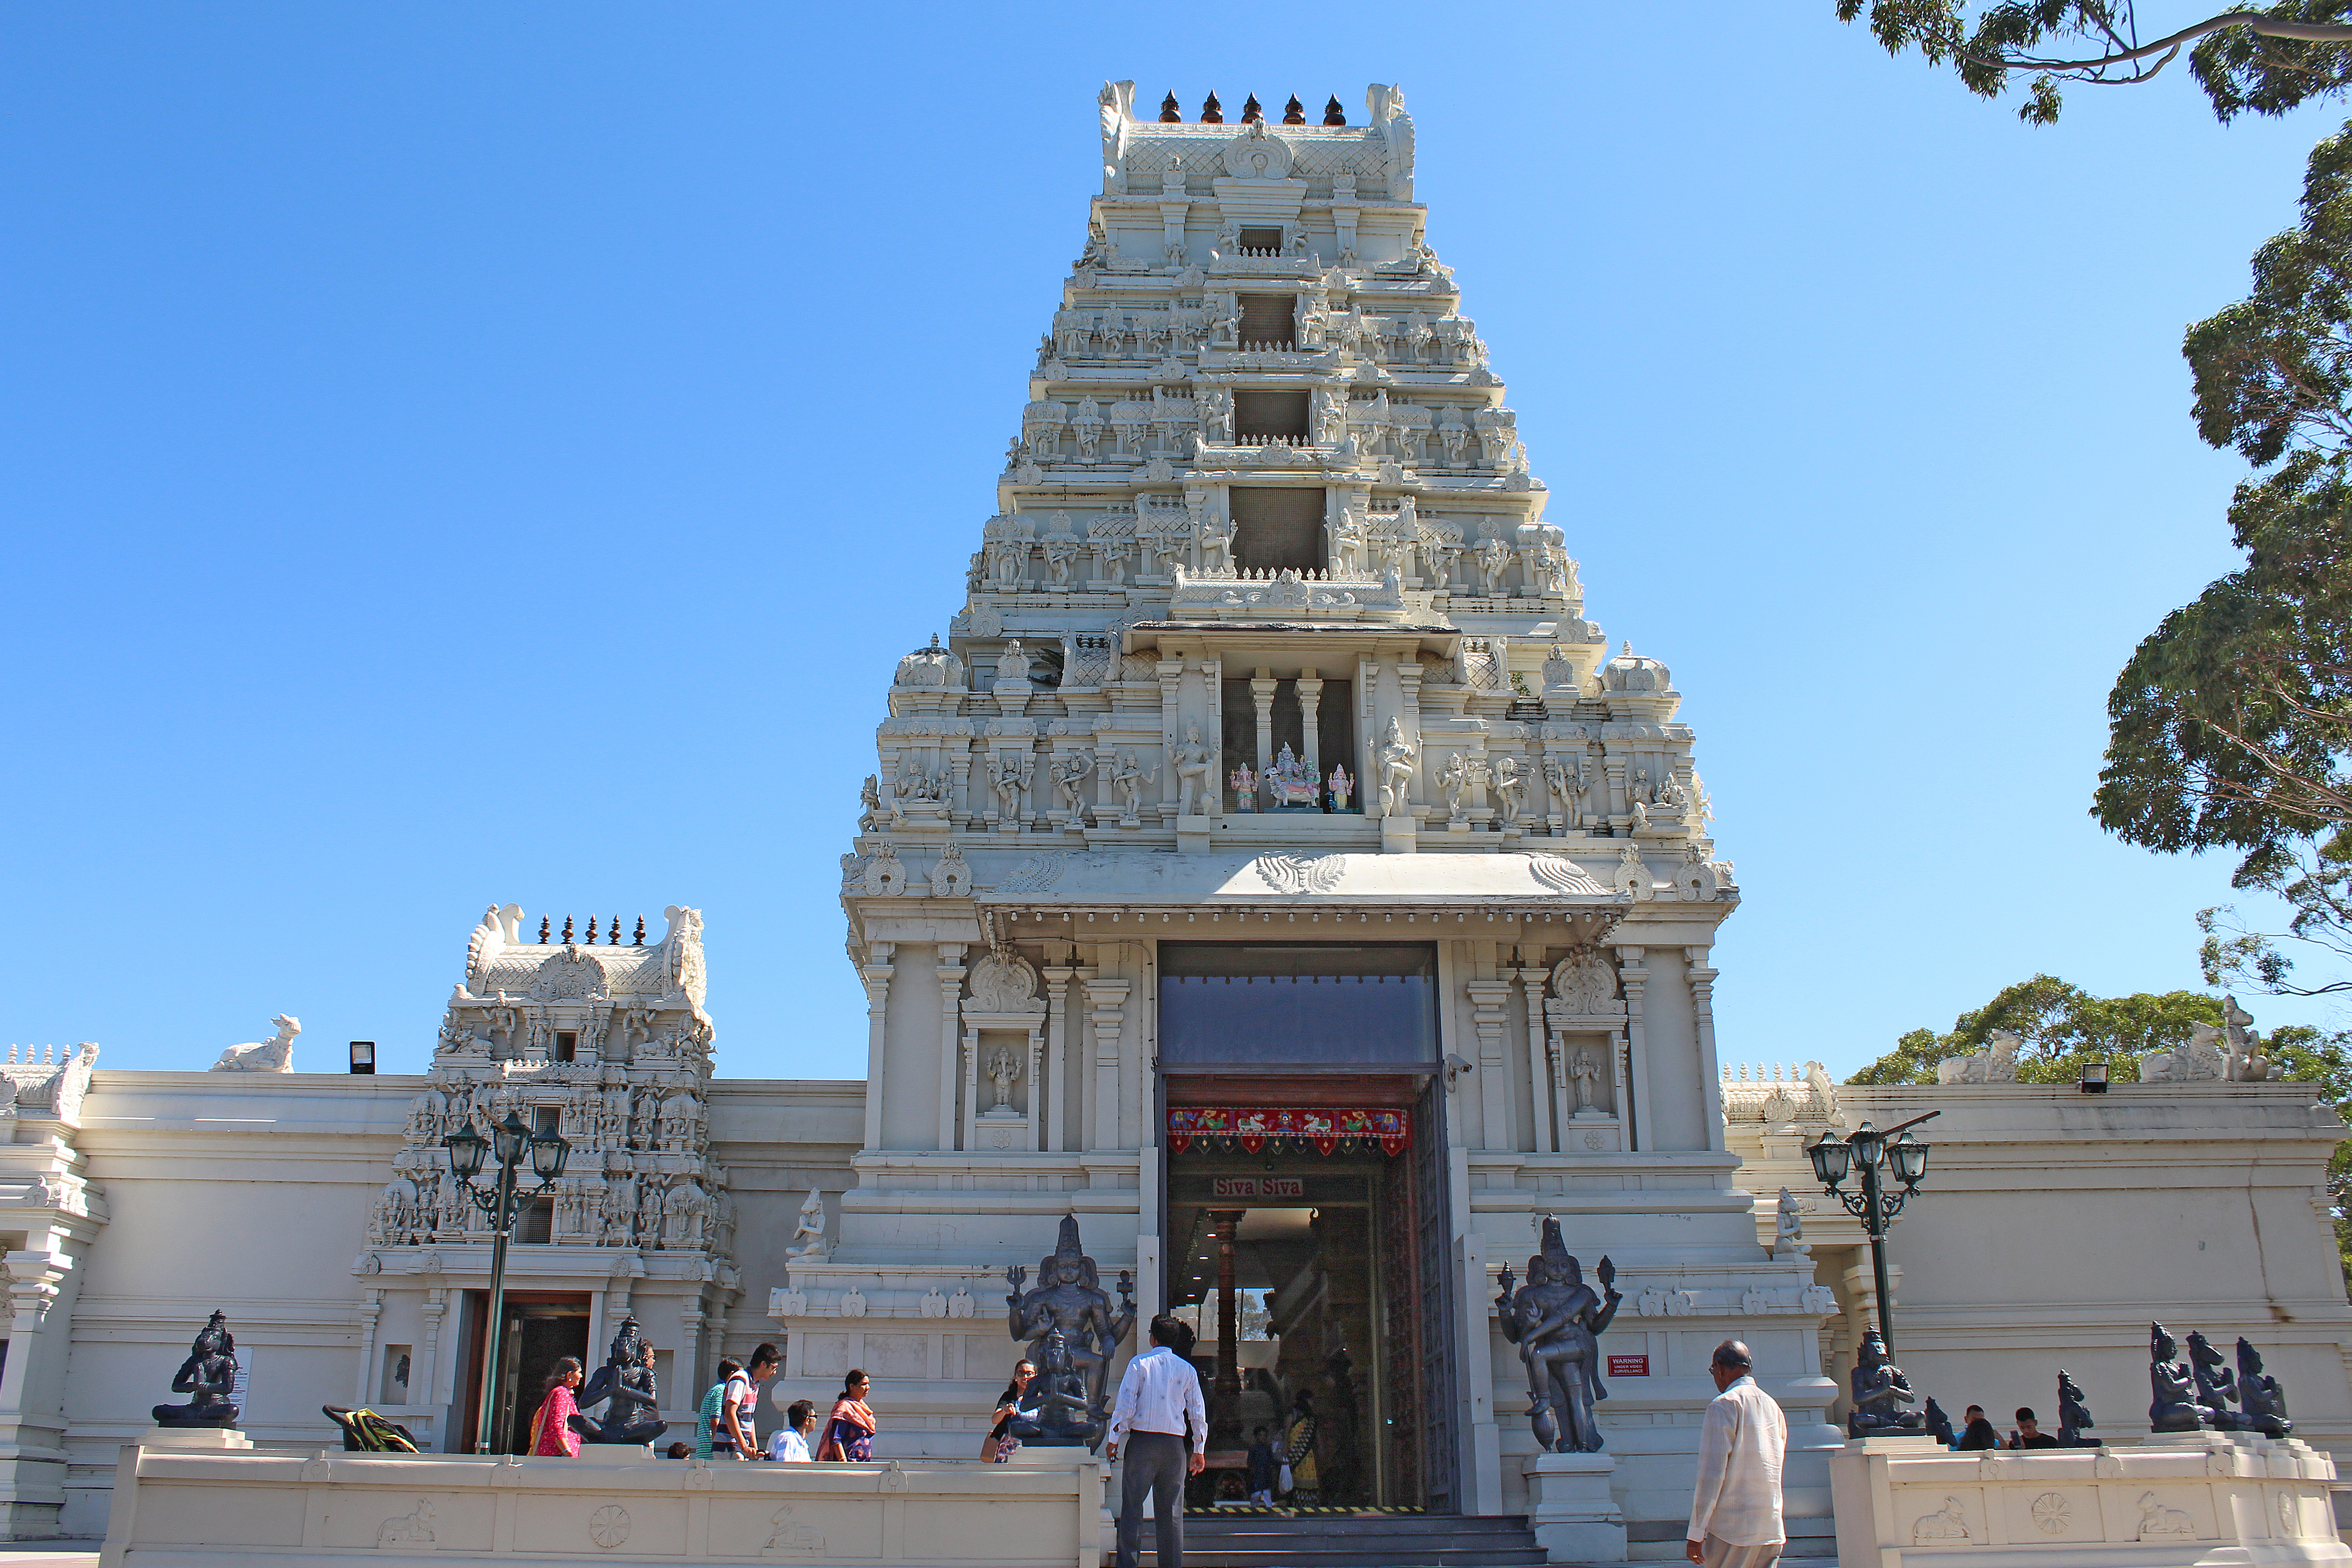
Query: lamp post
x=1867, y=1152
x=507, y=1142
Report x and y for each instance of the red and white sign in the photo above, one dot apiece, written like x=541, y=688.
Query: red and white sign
x=1629, y=1366
x=1259, y=1187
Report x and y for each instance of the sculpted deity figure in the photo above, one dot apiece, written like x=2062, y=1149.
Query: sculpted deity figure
x=625, y=1384
x=1196, y=773
x=1003, y=1069
x=2215, y=1386
x=1055, y=1412
x=1061, y=553
x=1584, y=1071
x=2264, y=1401
x=1347, y=545
x=1511, y=787
x=1343, y=784
x=808, y=1236
x=207, y=1377
x=1127, y=777
x=1244, y=783
x=1070, y=1299
x=1556, y=1320
x=1563, y=788
x=2247, y=1061
x=1493, y=561
x=1216, y=546
x=1010, y=774
x=1069, y=773
x=1880, y=1392
x=1455, y=780
x=2175, y=1407
x=1397, y=758
x=1087, y=422
x=1788, y=1227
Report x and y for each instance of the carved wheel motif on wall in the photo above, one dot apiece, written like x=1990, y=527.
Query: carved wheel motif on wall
x=608, y=1527
x=2052, y=1513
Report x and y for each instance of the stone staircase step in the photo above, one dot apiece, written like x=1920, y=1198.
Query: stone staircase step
x=1360, y=1540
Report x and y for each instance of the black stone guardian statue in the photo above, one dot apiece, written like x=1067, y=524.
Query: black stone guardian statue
x=209, y=1373
x=624, y=1385
x=1069, y=1298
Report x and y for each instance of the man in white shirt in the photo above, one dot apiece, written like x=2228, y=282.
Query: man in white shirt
x=1736, y=1507
x=1160, y=1407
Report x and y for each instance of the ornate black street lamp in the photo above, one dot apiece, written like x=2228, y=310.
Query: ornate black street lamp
x=1868, y=1152
x=508, y=1141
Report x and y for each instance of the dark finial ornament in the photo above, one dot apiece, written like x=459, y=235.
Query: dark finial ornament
x=1211, y=113
x=567, y=931
x=591, y=931
x=1251, y=112
x=641, y=932
x=1169, y=113
x=615, y=939
x=1333, y=114
x=1293, y=112
x=543, y=931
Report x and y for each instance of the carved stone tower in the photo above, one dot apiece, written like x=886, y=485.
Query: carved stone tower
x=1271, y=793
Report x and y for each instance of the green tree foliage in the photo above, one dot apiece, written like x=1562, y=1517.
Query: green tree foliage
x=2065, y=1026
x=2266, y=59
x=2230, y=725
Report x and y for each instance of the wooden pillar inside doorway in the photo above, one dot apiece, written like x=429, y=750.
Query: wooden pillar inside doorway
x=1229, y=1328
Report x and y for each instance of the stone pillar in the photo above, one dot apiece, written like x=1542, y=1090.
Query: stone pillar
x=1055, y=1092
x=686, y=1371
x=876, y=973
x=428, y=1370
x=1701, y=989
x=370, y=1315
x=1108, y=999
x=1171, y=731
x=33, y=1281
x=1310, y=709
x=1547, y=1139
x=1229, y=1329
x=950, y=971
x=1262, y=687
x=1490, y=1002
x=1634, y=978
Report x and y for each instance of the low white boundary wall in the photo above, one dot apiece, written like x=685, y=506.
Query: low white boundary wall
x=180, y=1508
x=2193, y=1501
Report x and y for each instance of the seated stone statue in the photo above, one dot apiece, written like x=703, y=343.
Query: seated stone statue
x=2259, y=1395
x=624, y=1385
x=2175, y=1408
x=1057, y=1413
x=2074, y=1415
x=209, y=1373
x=1880, y=1392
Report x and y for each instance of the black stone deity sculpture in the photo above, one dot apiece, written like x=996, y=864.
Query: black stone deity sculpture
x=2074, y=1415
x=2216, y=1387
x=1069, y=1298
x=2263, y=1401
x=1939, y=1424
x=2175, y=1407
x=1880, y=1392
x=1064, y=1414
x=208, y=1375
x=1557, y=1321
x=624, y=1385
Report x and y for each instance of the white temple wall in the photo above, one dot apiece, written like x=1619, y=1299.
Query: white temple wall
x=1682, y=1093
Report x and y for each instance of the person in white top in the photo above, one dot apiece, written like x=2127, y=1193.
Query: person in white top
x=1736, y=1507
x=1158, y=1418
x=791, y=1442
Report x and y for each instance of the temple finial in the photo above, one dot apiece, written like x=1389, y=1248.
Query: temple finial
x=1333, y=114
x=1251, y=112
x=1171, y=115
x=1211, y=113
x=1293, y=112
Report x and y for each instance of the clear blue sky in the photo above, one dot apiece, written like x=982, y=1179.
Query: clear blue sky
x=455, y=453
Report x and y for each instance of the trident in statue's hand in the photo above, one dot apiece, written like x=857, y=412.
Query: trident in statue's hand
x=1016, y=1276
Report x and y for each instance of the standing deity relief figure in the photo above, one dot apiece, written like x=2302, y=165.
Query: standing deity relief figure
x=1347, y=546
x=1196, y=773
x=1511, y=787
x=1127, y=777
x=1398, y=757
x=1010, y=774
x=1069, y=775
x=1343, y=786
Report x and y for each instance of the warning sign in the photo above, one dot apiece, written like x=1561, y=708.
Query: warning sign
x=1629, y=1366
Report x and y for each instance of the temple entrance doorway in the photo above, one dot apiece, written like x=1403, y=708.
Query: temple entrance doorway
x=1308, y=1272
x=541, y=1328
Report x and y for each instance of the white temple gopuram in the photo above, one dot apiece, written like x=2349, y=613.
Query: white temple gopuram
x=1267, y=871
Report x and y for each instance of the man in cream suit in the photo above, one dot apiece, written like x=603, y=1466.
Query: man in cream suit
x=1736, y=1507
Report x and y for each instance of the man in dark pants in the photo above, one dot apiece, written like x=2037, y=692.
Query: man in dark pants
x=1159, y=1406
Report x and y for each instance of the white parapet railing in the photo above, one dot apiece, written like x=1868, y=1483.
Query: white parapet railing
x=178, y=1505
x=2167, y=1501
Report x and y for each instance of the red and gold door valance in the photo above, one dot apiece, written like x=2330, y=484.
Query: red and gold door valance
x=1251, y=1128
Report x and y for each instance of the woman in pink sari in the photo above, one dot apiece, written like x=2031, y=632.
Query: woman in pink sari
x=849, y=1435
x=550, y=1430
